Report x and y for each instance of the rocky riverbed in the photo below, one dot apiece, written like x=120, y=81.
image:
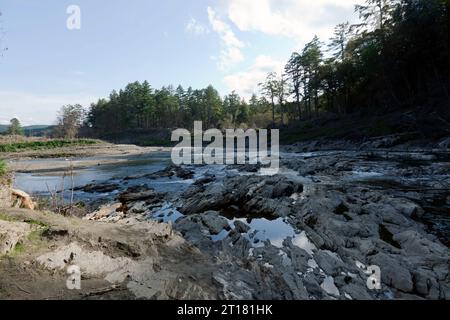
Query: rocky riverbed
x=309, y=232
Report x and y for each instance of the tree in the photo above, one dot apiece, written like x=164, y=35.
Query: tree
x=375, y=13
x=281, y=90
x=231, y=106
x=311, y=59
x=269, y=89
x=338, y=42
x=70, y=119
x=294, y=70
x=15, y=127
x=242, y=113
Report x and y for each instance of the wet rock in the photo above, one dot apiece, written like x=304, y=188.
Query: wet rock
x=214, y=222
x=150, y=196
x=98, y=188
x=253, y=195
x=241, y=227
x=205, y=180
x=252, y=168
x=171, y=171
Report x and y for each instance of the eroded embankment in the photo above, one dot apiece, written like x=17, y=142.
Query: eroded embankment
x=126, y=260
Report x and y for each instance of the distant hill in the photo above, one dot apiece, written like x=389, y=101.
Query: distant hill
x=35, y=130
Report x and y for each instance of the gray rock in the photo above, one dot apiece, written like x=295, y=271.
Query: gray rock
x=393, y=274
x=426, y=284
x=214, y=222
x=329, y=262
x=241, y=227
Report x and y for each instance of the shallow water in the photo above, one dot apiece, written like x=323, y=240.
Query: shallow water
x=362, y=171
x=45, y=183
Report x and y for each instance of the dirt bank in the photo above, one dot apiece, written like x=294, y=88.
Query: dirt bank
x=126, y=260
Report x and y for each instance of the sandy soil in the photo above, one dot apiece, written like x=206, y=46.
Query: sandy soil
x=118, y=261
x=75, y=157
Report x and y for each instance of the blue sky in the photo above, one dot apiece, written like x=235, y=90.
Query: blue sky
x=230, y=44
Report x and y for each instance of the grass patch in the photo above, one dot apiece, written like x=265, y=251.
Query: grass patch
x=5, y=217
x=2, y=167
x=34, y=240
x=18, y=249
x=35, y=236
x=42, y=145
x=36, y=223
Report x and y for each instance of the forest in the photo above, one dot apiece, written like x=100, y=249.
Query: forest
x=396, y=58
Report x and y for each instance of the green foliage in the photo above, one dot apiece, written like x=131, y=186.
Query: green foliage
x=38, y=145
x=2, y=167
x=15, y=127
x=397, y=57
x=70, y=119
x=5, y=217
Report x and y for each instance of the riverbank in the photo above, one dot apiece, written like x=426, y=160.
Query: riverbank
x=127, y=260
x=309, y=232
x=77, y=157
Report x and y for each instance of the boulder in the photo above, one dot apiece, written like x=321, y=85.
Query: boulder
x=393, y=274
x=150, y=196
x=329, y=262
x=22, y=200
x=214, y=222
x=103, y=212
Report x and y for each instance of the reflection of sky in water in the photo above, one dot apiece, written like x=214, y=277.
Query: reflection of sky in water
x=276, y=231
x=166, y=213
x=39, y=184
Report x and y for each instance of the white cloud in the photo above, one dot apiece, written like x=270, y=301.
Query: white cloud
x=32, y=108
x=231, y=52
x=245, y=83
x=297, y=19
x=196, y=28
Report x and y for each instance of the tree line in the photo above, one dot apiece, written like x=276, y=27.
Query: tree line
x=396, y=57
x=139, y=106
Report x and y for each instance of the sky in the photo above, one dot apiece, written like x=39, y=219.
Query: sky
x=230, y=44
